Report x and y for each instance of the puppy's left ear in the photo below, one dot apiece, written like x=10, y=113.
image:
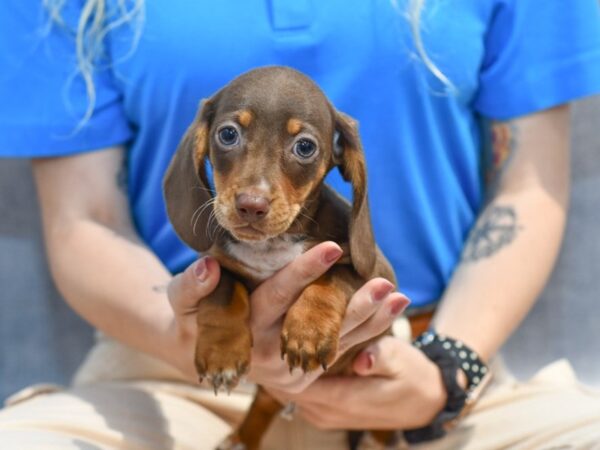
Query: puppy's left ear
x=349, y=156
x=186, y=191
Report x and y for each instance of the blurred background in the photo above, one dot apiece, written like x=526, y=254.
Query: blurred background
x=41, y=340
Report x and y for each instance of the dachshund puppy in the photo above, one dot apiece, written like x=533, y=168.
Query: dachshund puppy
x=271, y=136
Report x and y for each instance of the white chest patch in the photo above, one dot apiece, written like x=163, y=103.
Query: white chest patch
x=263, y=259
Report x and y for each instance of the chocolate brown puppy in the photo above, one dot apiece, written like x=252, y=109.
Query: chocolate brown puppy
x=271, y=137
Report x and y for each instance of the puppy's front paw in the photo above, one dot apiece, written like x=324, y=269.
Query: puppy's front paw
x=224, y=339
x=223, y=356
x=308, y=343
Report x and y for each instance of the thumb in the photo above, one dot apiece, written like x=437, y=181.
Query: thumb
x=197, y=281
x=377, y=359
x=274, y=296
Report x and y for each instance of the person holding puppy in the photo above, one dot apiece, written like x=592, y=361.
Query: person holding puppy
x=100, y=100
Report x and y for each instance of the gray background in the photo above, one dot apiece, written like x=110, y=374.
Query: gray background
x=42, y=340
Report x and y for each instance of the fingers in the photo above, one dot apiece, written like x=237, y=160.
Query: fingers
x=381, y=358
x=365, y=302
x=370, y=312
x=187, y=288
x=273, y=297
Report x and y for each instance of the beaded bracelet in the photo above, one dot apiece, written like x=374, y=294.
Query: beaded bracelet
x=450, y=356
x=470, y=363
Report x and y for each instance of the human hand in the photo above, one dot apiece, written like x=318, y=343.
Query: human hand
x=396, y=387
x=369, y=313
x=185, y=291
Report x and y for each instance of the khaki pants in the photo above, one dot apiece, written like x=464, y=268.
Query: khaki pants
x=122, y=399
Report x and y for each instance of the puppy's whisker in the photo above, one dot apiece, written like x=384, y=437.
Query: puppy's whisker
x=306, y=216
x=209, y=228
x=210, y=191
x=206, y=204
x=220, y=232
x=199, y=213
x=202, y=207
x=195, y=217
x=194, y=214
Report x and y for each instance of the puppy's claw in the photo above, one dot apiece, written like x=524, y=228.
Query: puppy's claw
x=293, y=359
x=222, y=369
x=232, y=443
x=217, y=381
x=305, y=360
x=308, y=348
x=283, y=347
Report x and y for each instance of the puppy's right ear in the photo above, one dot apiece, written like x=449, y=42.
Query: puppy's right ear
x=188, y=197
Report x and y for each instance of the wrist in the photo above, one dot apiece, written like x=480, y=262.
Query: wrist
x=177, y=345
x=167, y=339
x=434, y=395
x=464, y=376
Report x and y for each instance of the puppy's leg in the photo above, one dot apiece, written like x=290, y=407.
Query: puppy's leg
x=380, y=440
x=311, y=329
x=250, y=433
x=224, y=339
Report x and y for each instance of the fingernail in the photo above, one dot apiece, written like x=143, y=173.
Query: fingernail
x=396, y=308
x=332, y=255
x=201, y=270
x=382, y=291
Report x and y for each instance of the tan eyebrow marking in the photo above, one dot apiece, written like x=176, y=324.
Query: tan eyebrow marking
x=244, y=118
x=294, y=126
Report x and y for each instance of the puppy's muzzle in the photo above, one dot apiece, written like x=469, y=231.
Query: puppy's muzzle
x=252, y=208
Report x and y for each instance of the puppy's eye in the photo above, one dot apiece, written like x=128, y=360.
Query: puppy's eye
x=228, y=136
x=304, y=148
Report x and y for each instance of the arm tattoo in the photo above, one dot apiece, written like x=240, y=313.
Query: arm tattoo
x=495, y=229
x=500, y=143
x=122, y=178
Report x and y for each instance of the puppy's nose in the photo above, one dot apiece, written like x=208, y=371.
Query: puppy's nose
x=251, y=207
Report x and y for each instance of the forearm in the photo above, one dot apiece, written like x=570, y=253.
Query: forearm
x=489, y=296
x=98, y=262
x=114, y=282
x=504, y=269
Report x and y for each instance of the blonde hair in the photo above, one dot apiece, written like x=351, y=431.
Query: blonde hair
x=414, y=15
x=95, y=22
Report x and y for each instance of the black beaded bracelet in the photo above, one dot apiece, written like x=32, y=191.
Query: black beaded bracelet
x=470, y=363
x=450, y=356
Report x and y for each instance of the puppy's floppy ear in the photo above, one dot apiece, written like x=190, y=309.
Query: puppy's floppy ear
x=349, y=156
x=185, y=186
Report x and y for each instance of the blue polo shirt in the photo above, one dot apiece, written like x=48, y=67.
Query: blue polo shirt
x=505, y=58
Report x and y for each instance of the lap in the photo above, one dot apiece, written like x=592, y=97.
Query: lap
x=551, y=410
x=110, y=416
x=112, y=409
x=142, y=416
